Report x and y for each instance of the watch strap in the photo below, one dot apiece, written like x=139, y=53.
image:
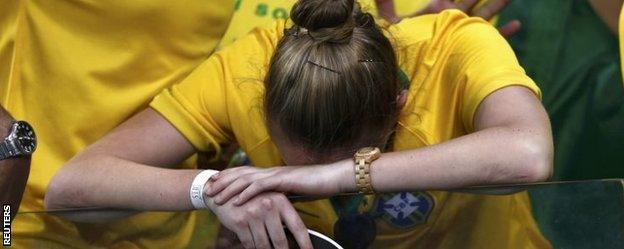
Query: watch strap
x=362, y=177
x=5, y=151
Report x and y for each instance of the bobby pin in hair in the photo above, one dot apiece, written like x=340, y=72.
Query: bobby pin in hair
x=323, y=67
x=299, y=31
x=369, y=60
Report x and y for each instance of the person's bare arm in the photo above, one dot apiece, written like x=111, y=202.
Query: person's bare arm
x=128, y=169
x=13, y=171
x=608, y=11
x=512, y=144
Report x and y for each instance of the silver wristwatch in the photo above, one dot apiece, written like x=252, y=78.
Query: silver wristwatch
x=21, y=141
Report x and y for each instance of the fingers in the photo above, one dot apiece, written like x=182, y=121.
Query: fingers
x=467, y=5
x=385, y=8
x=491, y=8
x=258, y=223
x=245, y=237
x=250, y=225
x=276, y=230
x=295, y=225
x=223, y=179
x=436, y=6
x=232, y=189
x=264, y=218
x=259, y=233
x=255, y=188
x=511, y=28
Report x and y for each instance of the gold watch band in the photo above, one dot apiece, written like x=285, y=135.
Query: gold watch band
x=363, y=177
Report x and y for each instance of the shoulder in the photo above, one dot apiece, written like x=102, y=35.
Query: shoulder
x=242, y=65
x=236, y=75
x=427, y=27
x=258, y=45
x=427, y=42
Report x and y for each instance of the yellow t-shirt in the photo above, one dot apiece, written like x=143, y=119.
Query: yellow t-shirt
x=250, y=14
x=621, y=37
x=452, y=62
x=75, y=70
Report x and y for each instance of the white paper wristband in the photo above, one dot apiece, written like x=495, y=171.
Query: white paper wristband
x=197, y=188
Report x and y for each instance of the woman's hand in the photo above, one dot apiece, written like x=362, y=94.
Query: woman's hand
x=247, y=182
x=486, y=11
x=258, y=222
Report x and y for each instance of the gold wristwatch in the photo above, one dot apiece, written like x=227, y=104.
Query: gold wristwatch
x=363, y=159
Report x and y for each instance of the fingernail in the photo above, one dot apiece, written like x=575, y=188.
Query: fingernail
x=237, y=201
x=214, y=177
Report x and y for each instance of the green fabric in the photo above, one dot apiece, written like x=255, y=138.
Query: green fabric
x=574, y=58
x=346, y=205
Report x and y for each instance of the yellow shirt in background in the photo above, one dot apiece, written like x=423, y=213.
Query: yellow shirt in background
x=250, y=14
x=75, y=70
x=621, y=37
x=452, y=63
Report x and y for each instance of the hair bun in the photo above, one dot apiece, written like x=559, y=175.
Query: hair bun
x=318, y=14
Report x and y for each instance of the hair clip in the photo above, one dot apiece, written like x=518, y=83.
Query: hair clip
x=369, y=60
x=323, y=67
x=299, y=31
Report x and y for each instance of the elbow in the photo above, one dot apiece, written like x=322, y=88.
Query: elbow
x=60, y=194
x=536, y=160
x=53, y=198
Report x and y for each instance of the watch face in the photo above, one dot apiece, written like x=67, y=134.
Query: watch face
x=26, y=137
x=366, y=151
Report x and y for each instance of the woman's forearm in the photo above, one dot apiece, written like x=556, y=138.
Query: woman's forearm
x=107, y=181
x=498, y=155
x=512, y=144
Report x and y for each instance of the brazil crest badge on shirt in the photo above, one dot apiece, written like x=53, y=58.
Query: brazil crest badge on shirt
x=406, y=209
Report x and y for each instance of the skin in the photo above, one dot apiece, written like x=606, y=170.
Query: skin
x=138, y=155
x=608, y=11
x=487, y=11
x=13, y=171
x=512, y=143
